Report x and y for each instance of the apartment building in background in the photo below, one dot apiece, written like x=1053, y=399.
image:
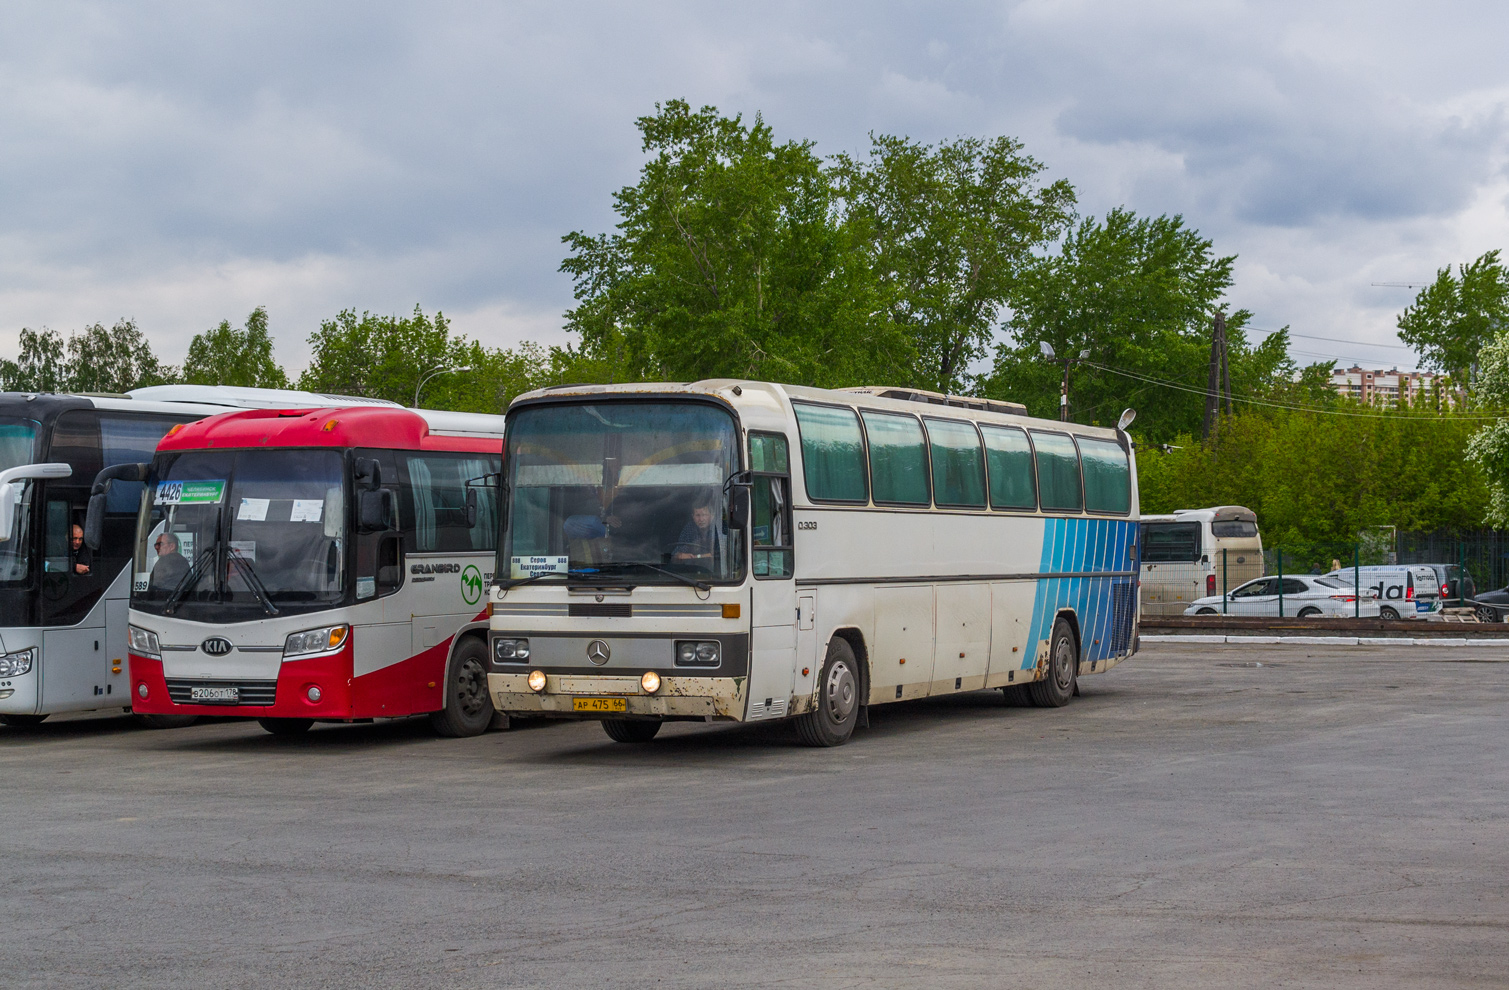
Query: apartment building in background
x=1389, y=388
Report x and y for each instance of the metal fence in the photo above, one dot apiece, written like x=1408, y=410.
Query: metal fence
x=1483, y=553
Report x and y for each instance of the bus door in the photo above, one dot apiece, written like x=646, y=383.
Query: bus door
x=773, y=601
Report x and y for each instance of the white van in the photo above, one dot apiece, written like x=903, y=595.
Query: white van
x=1194, y=553
x=1404, y=591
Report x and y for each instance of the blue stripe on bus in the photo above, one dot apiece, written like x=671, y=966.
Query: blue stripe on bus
x=1079, y=545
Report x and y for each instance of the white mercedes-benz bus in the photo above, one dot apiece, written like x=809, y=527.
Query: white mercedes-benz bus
x=62, y=604
x=745, y=551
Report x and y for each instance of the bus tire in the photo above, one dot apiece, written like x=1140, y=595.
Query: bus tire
x=1057, y=689
x=1017, y=696
x=286, y=726
x=1388, y=613
x=631, y=730
x=831, y=721
x=21, y=721
x=167, y=721
x=468, y=707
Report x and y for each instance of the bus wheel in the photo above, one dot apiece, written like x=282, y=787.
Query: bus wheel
x=630, y=730
x=831, y=723
x=21, y=721
x=468, y=708
x=1016, y=695
x=286, y=726
x=167, y=721
x=1056, y=690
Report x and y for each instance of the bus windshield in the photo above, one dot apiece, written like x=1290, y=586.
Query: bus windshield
x=628, y=491
x=18, y=446
x=251, y=529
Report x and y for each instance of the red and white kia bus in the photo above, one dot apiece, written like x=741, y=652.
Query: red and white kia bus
x=308, y=565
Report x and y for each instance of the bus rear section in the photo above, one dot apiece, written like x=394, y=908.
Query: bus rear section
x=317, y=565
x=1196, y=553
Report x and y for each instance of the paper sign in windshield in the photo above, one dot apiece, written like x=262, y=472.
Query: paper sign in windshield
x=307, y=510
x=254, y=509
x=245, y=549
x=189, y=492
x=530, y=566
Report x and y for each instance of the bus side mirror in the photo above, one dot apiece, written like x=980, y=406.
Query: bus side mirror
x=374, y=510
x=94, y=521
x=368, y=472
x=738, y=507
x=12, y=485
x=472, y=508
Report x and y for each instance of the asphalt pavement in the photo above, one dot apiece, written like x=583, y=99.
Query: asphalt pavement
x=1203, y=815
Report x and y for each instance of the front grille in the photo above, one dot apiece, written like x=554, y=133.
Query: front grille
x=258, y=693
x=601, y=610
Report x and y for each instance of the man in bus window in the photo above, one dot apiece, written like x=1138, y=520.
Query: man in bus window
x=170, y=567
x=83, y=559
x=699, y=537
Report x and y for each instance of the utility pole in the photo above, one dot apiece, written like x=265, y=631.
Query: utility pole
x=1219, y=382
x=1063, y=392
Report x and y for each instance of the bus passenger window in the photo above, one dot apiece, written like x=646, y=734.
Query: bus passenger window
x=770, y=507
x=1013, y=483
x=958, y=467
x=898, y=458
x=1108, y=481
x=1057, y=472
x=833, y=453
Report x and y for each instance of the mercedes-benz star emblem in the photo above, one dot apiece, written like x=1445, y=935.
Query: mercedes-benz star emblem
x=215, y=646
x=598, y=652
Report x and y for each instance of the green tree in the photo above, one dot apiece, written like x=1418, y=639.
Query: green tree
x=43, y=363
x=227, y=356
x=1138, y=295
x=94, y=359
x=730, y=259
x=1489, y=448
x=951, y=230
x=1454, y=317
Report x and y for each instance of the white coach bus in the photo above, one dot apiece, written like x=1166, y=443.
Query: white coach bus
x=744, y=551
x=63, y=604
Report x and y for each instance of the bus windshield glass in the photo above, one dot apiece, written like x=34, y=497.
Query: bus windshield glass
x=18, y=446
x=625, y=492
x=253, y=530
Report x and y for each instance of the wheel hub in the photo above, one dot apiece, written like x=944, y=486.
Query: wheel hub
x=839, y=694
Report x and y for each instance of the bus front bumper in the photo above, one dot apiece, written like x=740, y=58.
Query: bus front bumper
x=678, y=698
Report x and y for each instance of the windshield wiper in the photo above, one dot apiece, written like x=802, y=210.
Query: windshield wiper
x=188, y=580
x=690, y=582
x=254, y=582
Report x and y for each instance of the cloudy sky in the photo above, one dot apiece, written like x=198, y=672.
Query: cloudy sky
x=181, y=163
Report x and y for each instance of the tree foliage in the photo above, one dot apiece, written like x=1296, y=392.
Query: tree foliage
x=730, y=259
x=94, y=359
x=1455, y=317
x=1313, y=477
x=951, y=230
x=227, y=356
x=1138, y=294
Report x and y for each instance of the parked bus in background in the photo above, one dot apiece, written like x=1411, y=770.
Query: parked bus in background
x=316, y=565
x=1196, y=553
x=743, y=551
x=62, y=604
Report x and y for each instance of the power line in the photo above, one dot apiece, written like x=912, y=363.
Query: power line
x=1261, y=402
x=1335, y=340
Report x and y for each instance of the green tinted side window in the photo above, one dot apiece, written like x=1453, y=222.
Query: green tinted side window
x=767, y=452
x=1013, y=484
x=898, y=462
x=958, y=465
x=1108, y=477
x=833, y=453
x=1057, y=472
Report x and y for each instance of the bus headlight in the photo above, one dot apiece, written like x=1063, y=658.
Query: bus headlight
x=650, y=681
x=143, y=641
x=321, y=640
x=18, y=663
x=511, y=650
x=536, y=680
x=697, y=653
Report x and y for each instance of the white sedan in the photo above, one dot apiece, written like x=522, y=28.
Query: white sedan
x=1303, y=596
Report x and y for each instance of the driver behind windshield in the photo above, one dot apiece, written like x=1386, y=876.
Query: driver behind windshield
x=699, y=538
x=170, y=567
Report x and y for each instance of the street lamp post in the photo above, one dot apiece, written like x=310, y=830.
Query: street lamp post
x=1063, y=393
x=441, y=370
